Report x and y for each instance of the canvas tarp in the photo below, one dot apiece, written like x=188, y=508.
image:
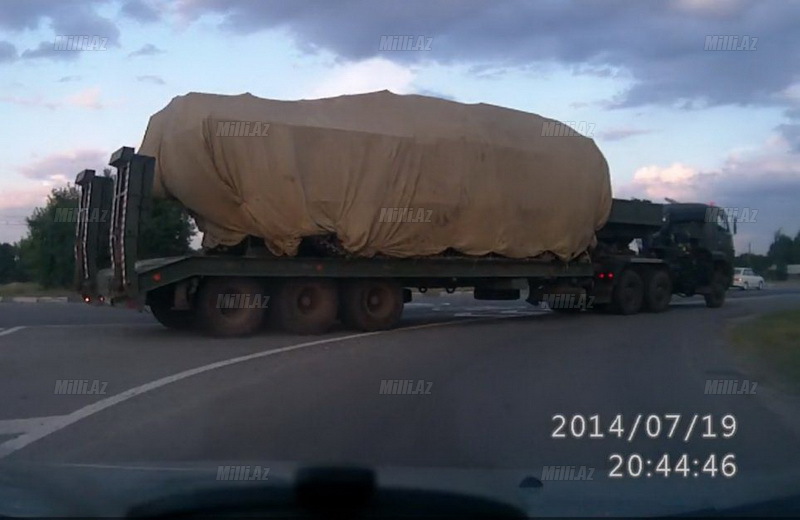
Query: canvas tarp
x=399, y=175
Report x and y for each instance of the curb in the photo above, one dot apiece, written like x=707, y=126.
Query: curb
x=35, y=299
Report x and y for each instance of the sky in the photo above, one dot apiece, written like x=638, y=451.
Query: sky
x=676, y=114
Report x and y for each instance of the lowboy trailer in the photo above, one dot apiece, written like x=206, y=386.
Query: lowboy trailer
x=684, y=249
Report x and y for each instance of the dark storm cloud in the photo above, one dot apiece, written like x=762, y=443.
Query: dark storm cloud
x=791, y=133
x=140, y=11
x=66, y=18
x=661, y=44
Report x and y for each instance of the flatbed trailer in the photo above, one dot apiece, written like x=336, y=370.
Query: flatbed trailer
x=232, y=295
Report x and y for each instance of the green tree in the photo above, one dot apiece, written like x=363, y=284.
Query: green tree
x=47, y=252
x=782, y=248
x=9, y=264
x=167, y=231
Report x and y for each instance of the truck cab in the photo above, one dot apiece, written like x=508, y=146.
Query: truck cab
x=696, y=240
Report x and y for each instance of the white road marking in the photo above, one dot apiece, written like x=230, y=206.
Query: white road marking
x=12, y=426
x=53, y=424
x=12, y=330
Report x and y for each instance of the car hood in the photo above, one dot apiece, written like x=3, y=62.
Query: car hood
x=61, y=489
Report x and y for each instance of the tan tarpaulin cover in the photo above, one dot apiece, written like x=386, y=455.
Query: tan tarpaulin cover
x=476, y=178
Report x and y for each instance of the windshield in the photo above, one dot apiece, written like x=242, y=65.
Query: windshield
x=483, y=248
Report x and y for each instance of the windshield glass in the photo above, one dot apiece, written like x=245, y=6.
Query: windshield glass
x=490, y=248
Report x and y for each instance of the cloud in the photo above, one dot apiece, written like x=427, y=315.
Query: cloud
x=14, y=200
x=73, y=18
x=767, y=181
x=67, y=79
x=88, y=98
x=140, y=11
x=618, y=134
x=8, y=52
x=658, y=45
x=146, y=50
x=365, y=76
x=30, y=101
x=47, y=50
x=62, y=167
x=151, y=79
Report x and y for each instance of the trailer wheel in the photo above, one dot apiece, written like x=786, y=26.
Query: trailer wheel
x=719, y=288
x=657, y=290
x=628, y=293
x=371, y=305
x=228, y=307
x=172, y=319
x=306, y=306
x=160, y=303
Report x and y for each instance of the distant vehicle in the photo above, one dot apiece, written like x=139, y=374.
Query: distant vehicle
x=744, y=278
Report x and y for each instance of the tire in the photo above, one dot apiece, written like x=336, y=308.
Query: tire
x=160, y=303
x=657, y=290
x=719, y=288
x=628, y=293
x=305, y=306
x=746, y=286
x=760, y=285
x=371, y=305
x=173, y=319
x=219, y=320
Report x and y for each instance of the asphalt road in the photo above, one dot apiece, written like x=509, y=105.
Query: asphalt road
x=493, y=375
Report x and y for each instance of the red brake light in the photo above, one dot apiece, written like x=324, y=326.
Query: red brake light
x=611, y=275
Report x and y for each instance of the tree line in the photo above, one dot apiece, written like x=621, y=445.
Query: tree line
x=782, y=252
x=46, y=254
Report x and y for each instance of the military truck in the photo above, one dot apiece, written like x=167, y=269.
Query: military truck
x=681, y=249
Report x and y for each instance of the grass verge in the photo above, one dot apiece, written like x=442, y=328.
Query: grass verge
x=13, y=289
x=774, y=341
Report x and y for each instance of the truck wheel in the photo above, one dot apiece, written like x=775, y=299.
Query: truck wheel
x=228, y=307
x=719, y=288
x=306, y=306
x=371, y=305
x=628, y=293
x=657, y=290
x=172, y=319
x=160, y=303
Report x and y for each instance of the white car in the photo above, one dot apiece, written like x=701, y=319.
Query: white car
x=745, y=278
